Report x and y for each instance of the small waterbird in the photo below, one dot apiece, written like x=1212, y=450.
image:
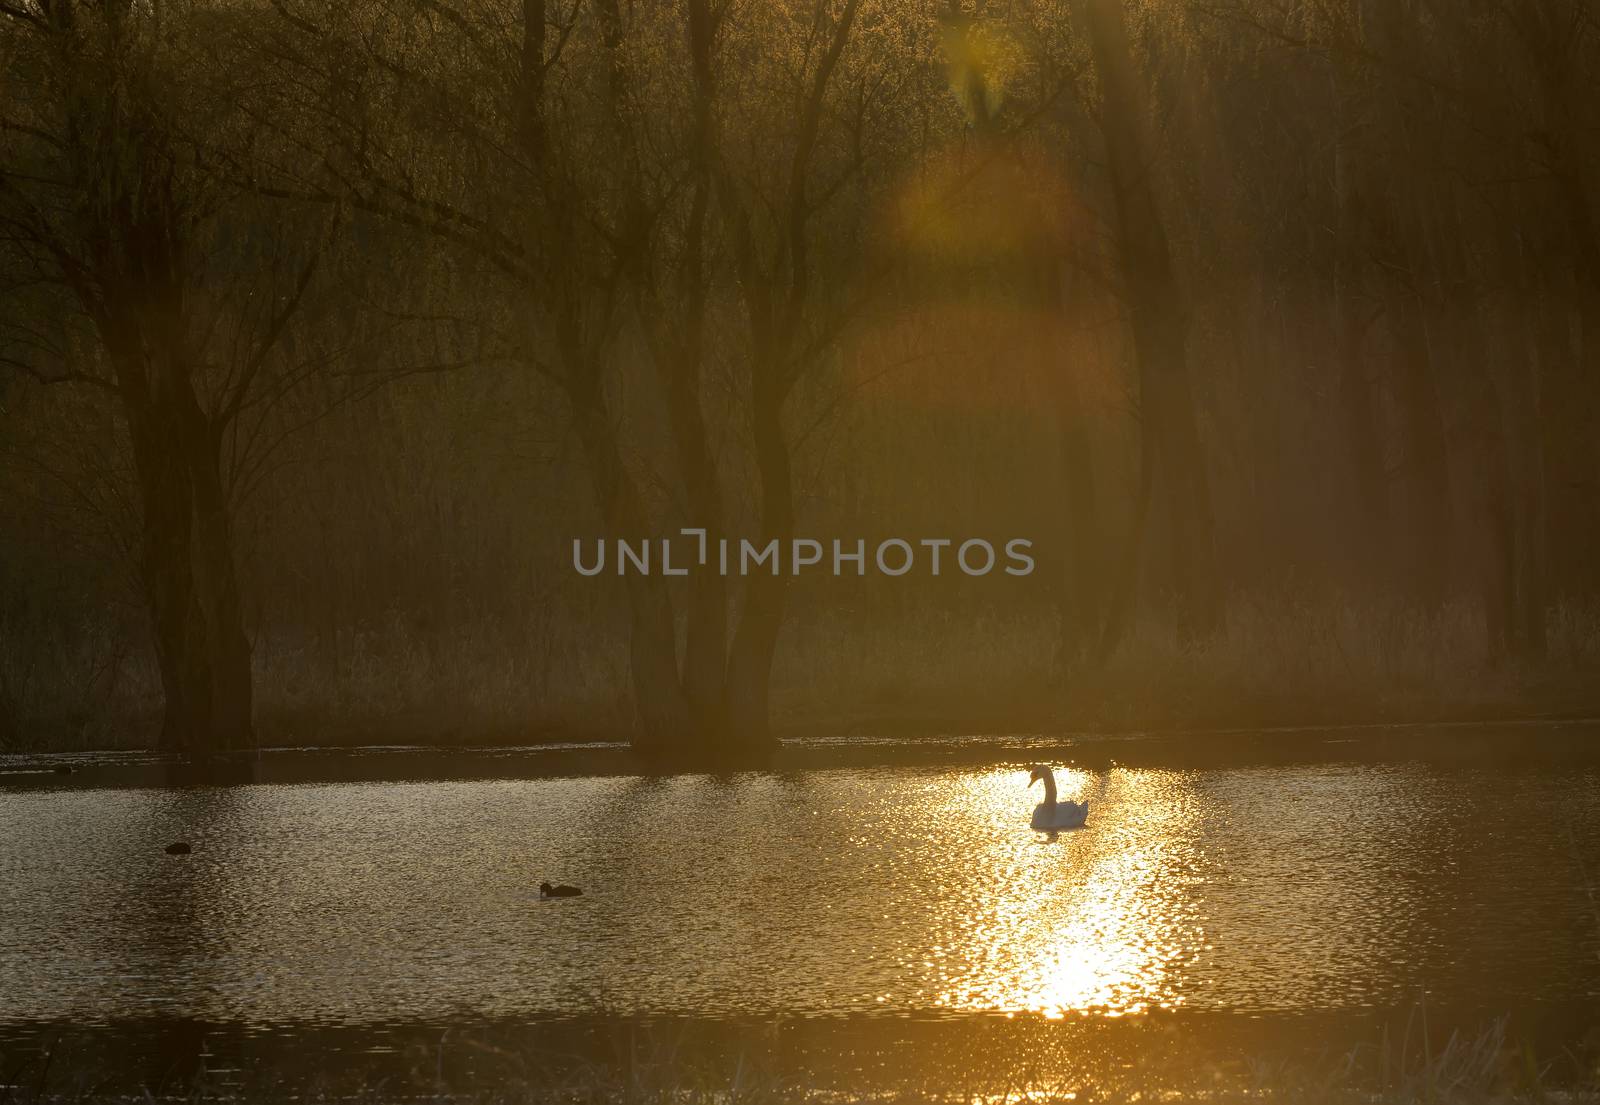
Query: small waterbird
x=1050, y=814
x=548, y=891
x=178, y=848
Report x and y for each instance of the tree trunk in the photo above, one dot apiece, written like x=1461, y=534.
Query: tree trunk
x=1579, y=446
x=1156, y=313
x=187, y=565
x=705, y=633
x=1426, y=462
x=1364, y=447
x=1362, y=440
x=1082, y=579
x=132, y=215
x=1401, y=221
x=1119, y=607
x=663, y=711
x=1502, y=552
x=1082, y=583
x=1464, y=334
x=664, y=722
x=1531, y=520
x=766, y=595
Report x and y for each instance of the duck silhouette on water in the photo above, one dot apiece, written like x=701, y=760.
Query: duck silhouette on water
x=548, y=891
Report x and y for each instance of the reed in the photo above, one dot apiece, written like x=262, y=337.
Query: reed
x=1277, y=659
x=659, y=1067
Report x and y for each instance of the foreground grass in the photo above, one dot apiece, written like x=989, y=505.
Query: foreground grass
x=1478, y=1069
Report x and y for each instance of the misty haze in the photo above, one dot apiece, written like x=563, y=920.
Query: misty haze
x=661, y=551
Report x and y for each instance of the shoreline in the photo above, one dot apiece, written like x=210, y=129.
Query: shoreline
x=1488, y=742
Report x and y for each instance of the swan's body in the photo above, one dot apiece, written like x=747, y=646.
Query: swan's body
x=548, y=891
x=1050, y=814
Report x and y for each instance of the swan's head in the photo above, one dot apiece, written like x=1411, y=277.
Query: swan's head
x=1038, y=773
x=545, y=888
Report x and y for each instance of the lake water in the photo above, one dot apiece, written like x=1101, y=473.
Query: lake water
x=1291, y=896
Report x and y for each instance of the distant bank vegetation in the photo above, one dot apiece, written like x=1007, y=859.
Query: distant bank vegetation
x=325, y=328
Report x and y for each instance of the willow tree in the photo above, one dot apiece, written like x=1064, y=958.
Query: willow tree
x=509, y=136
x=147, y=281
x=1463, y=169
x=149, y=267
x=771, y=242
x=816, y=139
x=1171, y=454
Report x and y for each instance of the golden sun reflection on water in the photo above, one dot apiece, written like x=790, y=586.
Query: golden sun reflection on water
x=898, y=891
x=1099, y=920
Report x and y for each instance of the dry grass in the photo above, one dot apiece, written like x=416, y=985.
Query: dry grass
x=655, y=1068
x=90, y=684
x=483, y=684
x=1276, y=660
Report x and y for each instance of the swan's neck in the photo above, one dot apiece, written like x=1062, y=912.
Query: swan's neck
x=1049, y=788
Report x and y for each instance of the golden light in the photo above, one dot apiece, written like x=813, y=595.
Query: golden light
x=1095, y=921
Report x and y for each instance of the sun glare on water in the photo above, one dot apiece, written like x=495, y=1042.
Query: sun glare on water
x=1099, y=920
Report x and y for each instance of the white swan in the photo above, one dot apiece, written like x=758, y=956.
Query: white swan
x=1050, y=814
